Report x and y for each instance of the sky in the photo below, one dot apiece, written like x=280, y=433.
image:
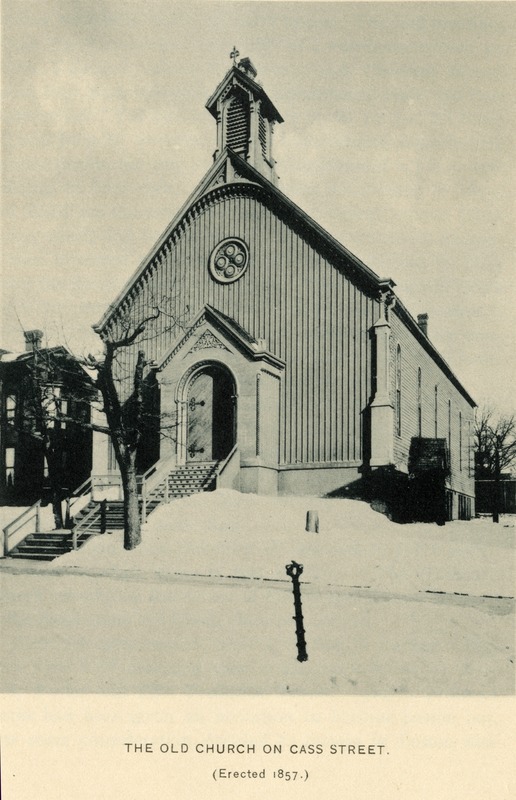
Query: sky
x=398, y=139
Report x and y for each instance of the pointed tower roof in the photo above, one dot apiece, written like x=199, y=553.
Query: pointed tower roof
x=243, y=74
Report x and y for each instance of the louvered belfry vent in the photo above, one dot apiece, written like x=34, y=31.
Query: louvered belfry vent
x=262, y=132
x=238, y=125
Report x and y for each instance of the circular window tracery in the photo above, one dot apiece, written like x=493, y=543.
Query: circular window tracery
x=229, y=260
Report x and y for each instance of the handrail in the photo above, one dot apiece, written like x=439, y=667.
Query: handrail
x=81, y=525
x=223, y=464
x=30, y=513
x=76, y=495
x=81, y=490
x=151, y=478
x=145, y=475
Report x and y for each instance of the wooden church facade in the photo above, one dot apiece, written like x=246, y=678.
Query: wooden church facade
x=288, y=359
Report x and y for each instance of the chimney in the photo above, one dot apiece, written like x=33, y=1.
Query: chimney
x=247, y=66
x=33, y=340
x=422, y=321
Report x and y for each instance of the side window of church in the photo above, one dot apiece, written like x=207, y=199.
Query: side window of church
x=435, y=412
x=460, y=441
x=419, y=404
x=398, y=390
x=449, y=426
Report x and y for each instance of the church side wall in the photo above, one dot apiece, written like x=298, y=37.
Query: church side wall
x=309, y=313
x=455, y=416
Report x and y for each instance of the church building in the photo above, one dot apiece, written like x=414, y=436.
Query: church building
x=282, y=360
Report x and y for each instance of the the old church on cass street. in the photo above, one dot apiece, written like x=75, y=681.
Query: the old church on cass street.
x=290, y=366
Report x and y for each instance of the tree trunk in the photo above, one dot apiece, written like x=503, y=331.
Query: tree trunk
x=55, y=480
x=57, y=509
x=132, y=524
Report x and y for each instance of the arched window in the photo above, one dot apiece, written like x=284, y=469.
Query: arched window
x=471, y=465
x=419, y=401
x=398, y=390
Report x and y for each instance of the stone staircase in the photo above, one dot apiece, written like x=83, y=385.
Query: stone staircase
x=186, y=480
x=44, y=546
x=180, y=482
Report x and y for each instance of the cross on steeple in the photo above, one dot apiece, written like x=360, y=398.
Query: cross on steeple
x=234, y=55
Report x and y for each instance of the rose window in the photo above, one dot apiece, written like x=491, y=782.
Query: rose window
x=229, y=260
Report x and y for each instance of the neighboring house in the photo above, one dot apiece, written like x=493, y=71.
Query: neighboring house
x=23, y=467
x=298, y=362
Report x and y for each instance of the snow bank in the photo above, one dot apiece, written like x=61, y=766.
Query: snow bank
x=233, y=534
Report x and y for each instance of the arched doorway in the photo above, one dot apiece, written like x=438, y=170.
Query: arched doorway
x=211, y=417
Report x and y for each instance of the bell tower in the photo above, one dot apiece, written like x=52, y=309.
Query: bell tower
x=245, y=117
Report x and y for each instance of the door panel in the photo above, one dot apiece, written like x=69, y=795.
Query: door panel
x=200, y=419
x=211, y=416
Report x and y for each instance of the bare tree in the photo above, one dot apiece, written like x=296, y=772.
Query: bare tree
x=49, y=417
x=114, y=383
x=495, y=449
x=121, y=375
x=125, y=420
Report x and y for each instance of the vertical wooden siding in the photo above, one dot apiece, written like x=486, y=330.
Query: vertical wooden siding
x=413, y=357
x=310, y=314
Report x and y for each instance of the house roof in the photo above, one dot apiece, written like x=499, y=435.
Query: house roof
x=7, y=357
x=60, y=353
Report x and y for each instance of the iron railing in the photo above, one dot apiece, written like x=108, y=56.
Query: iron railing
x=151, y=479
x=34, y=512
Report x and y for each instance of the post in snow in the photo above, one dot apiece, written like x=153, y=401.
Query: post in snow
x=294, y=570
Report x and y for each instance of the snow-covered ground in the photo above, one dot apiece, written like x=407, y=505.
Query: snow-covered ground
x=228, y=533
x=204, y=605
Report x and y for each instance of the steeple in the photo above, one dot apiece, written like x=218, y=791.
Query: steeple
x=245, y=117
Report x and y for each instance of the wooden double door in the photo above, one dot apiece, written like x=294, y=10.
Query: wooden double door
x=211, y=414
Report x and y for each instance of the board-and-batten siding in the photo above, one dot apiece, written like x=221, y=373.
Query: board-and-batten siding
x=309, y=313
x=413, y=357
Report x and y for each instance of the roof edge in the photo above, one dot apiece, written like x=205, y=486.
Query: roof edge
x=199, y=190
x=407, y=318
x=251, y=84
